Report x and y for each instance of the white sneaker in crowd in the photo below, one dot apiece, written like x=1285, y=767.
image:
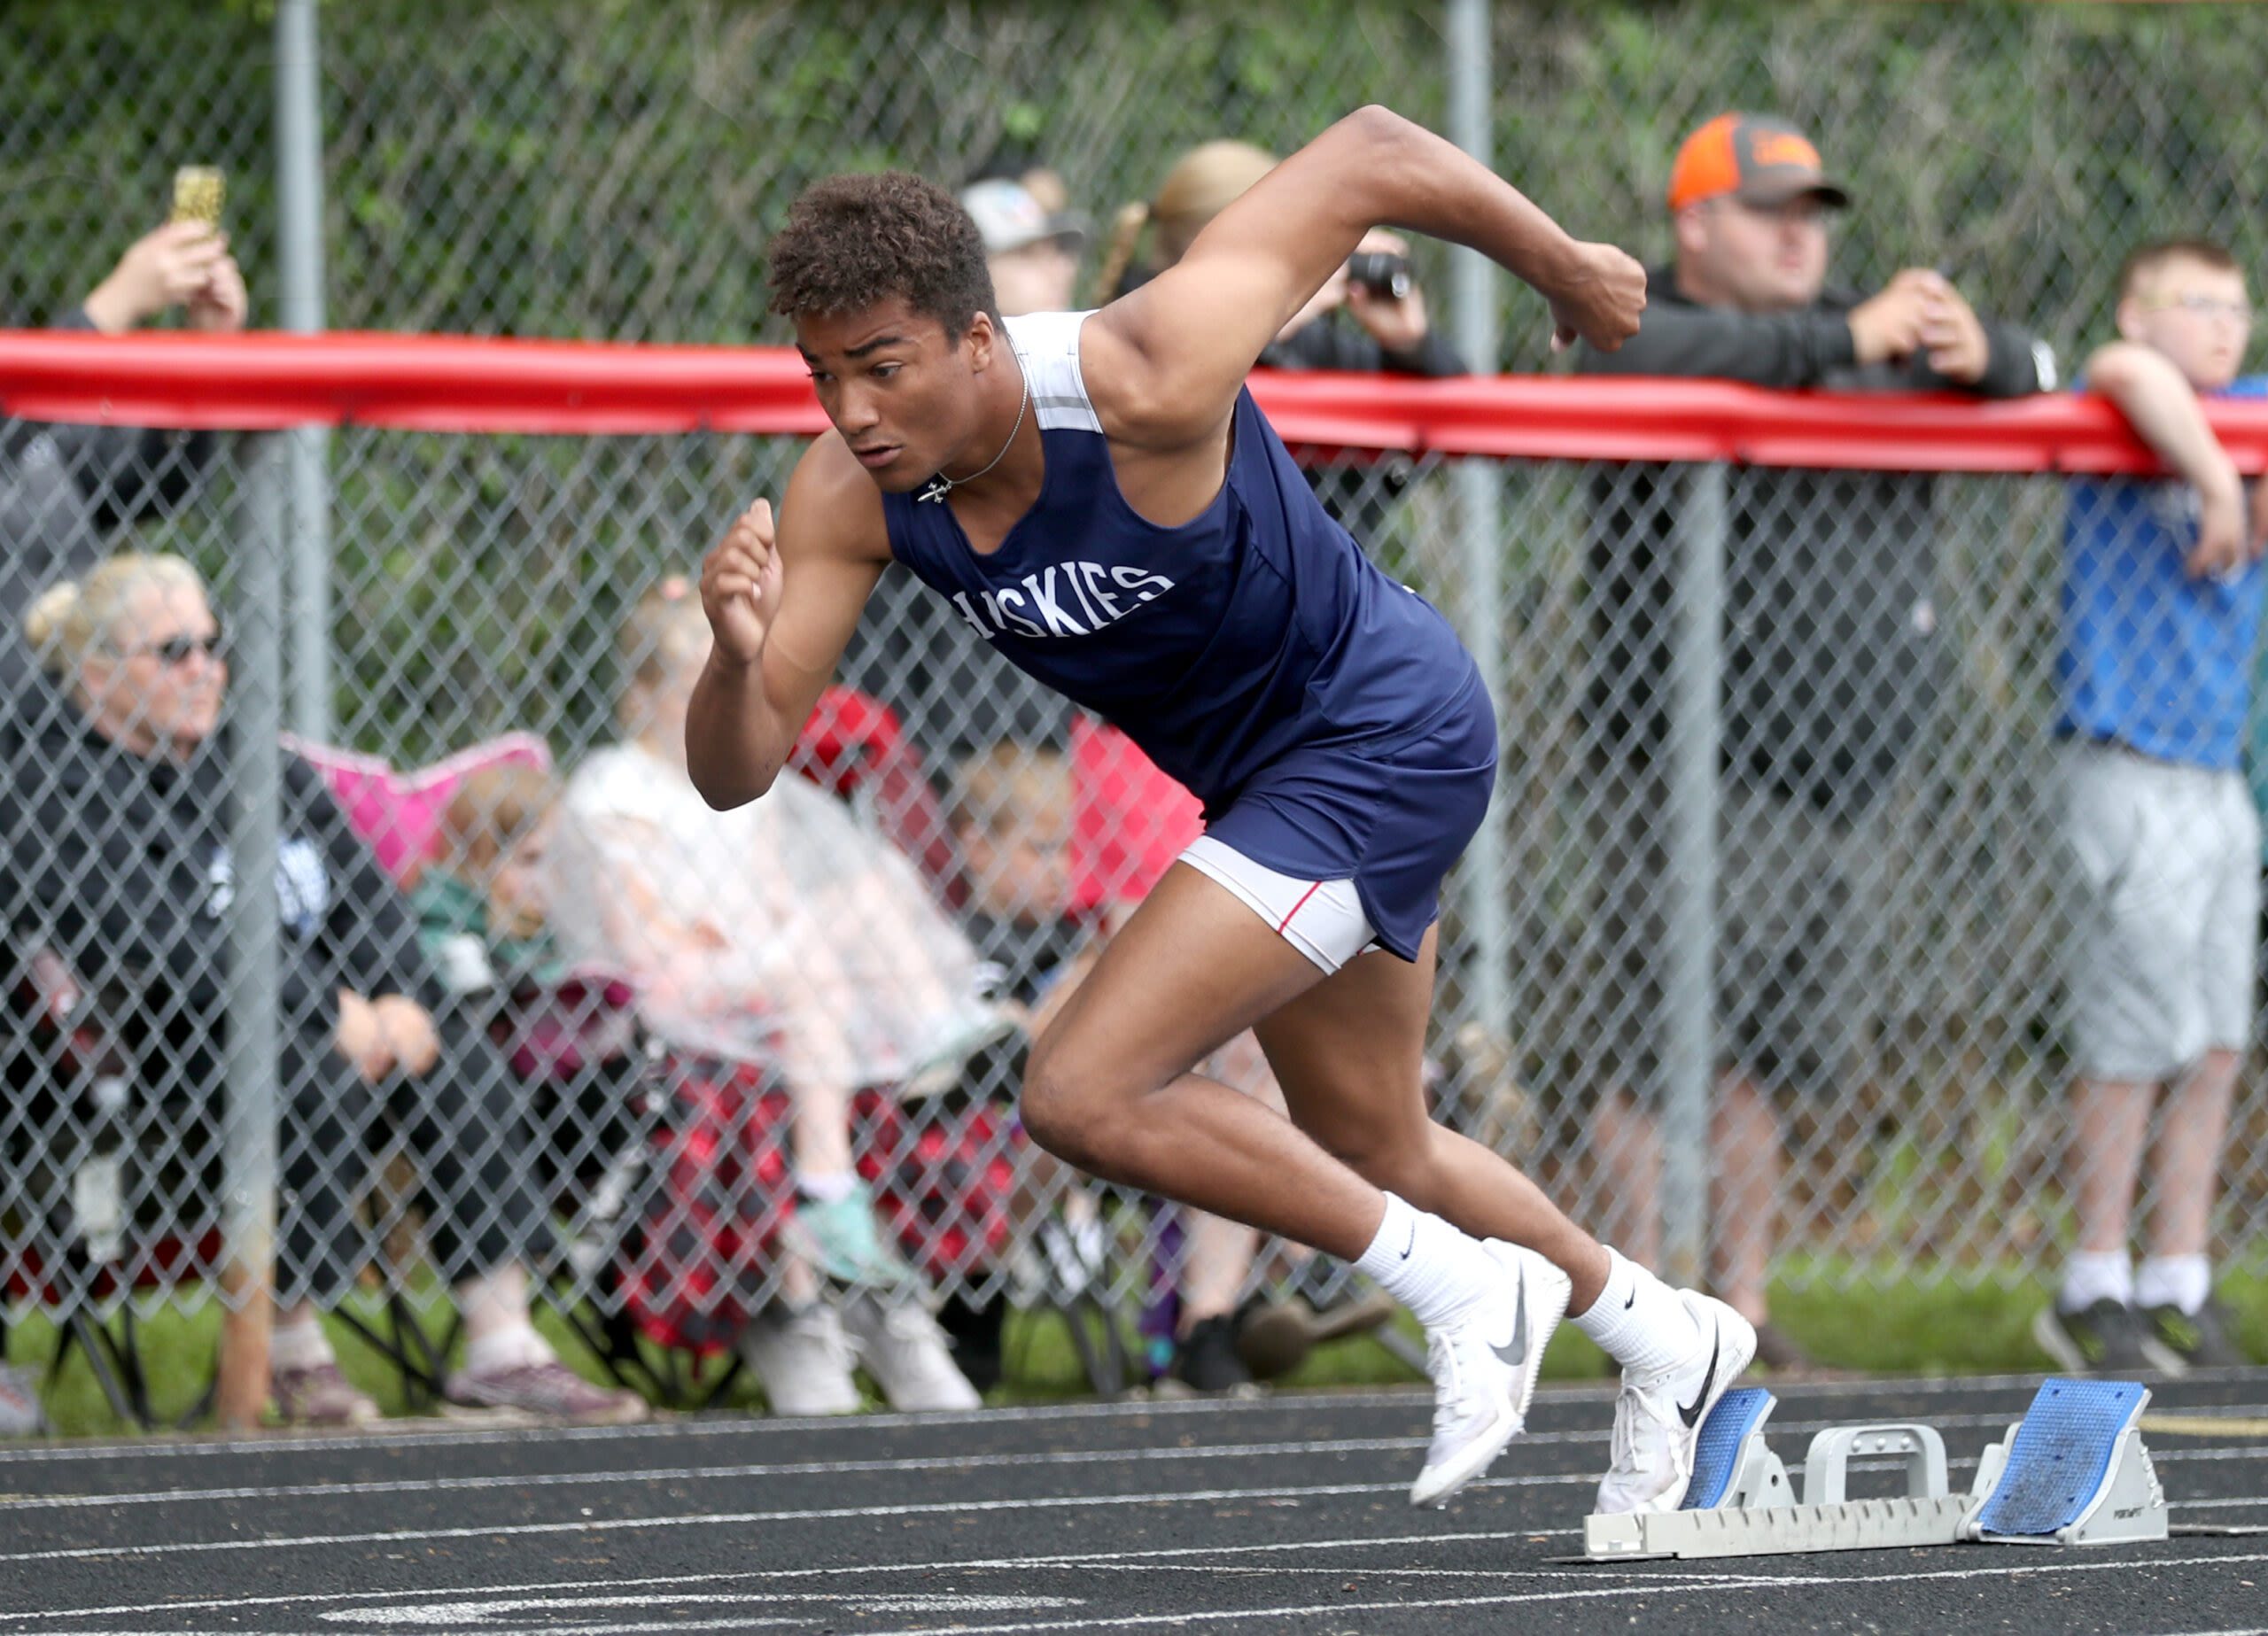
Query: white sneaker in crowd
x=1484, y=1367
x=907, y=1354
x=20, y=1414
x=803, y=1360
x=543, y=1391
x=1658, y=1416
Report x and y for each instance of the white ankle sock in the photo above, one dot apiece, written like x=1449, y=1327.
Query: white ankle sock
x=1430, y=1267
x=515, y=1347
x=300, y=1345
x=2093, y=1275
x=1637, y=1319
x=825, y=1187
x=2182, y=1281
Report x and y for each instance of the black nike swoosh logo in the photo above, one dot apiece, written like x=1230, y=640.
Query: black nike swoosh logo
x=1633, y=1301
x=1412, y=1245
x=1690, y=1414
x=1514, y=1353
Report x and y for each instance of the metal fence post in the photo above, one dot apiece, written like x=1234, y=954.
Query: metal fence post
x=1487, y=878
x=1696, y=704
x=249, y=1128
x=299, y=192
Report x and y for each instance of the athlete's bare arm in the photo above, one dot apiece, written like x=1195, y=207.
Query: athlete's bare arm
x=783, y=602
x=1164, y=362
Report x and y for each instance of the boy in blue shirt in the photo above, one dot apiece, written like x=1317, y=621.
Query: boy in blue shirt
x=2161, y=602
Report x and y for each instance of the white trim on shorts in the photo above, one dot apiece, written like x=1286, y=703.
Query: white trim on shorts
x=1323, y=919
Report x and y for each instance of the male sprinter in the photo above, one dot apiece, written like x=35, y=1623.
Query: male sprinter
x=1098, y=496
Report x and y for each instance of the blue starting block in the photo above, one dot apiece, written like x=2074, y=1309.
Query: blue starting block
x=2073, y=1471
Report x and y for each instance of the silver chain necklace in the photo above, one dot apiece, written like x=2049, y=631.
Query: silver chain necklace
x=940, y=485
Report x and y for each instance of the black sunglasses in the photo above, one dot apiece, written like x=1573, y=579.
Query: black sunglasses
x=174, y=651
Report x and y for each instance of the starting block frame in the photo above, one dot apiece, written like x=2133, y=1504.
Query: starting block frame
x=2073, y=1471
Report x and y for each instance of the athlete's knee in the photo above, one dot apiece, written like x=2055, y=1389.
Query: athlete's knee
x=1058, y=1107
x=1086, y=1108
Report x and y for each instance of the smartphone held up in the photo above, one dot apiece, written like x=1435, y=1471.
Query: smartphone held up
x=198, y=193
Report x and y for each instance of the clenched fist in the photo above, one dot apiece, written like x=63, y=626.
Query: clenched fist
x=1600, y=301
x=740, y=585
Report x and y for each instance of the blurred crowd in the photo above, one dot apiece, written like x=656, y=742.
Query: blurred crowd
x=759, y=1067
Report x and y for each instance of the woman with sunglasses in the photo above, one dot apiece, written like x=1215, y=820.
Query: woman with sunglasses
x=122, y=863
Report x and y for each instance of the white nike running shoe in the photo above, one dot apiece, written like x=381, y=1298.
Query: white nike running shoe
x=1658, y=1416
x=1484, y=1367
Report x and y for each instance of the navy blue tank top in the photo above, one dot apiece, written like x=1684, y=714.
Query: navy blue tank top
x=1256, y=629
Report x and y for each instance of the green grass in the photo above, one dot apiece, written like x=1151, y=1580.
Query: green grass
x=1917, y=1326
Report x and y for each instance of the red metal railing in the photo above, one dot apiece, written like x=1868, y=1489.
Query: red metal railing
x=465, y=384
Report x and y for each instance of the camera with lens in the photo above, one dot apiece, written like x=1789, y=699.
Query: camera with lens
x=1383, y=273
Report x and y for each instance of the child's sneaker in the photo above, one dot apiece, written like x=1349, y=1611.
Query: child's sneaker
x=546, y=1391
x=1206, y=1359
x=845, y=1237
x=2178, y=1340
x=906, y=1352
x=2106, y=1337
x=20, y=1414
x=802, y=1359
x=319, y=1396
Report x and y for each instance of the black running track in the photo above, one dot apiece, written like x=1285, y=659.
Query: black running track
x=1284, y=1514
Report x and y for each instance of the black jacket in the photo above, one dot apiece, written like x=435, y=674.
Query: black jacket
x=63, y=491
x=1360, y=493
x=1829, y=647
x=122, y=863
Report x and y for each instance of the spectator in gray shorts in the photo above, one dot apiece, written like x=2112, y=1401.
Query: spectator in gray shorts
x=1828, y=681
x=2162, y=598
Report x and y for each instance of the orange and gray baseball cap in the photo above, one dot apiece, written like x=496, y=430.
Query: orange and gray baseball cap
x=1758, y=162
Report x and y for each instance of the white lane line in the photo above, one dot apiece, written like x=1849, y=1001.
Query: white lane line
x=1650, y=1579
x=907, y=1464
x=717, y=1519
x=687, y=1473
x=479, y=1605
x=1288, y=1495
x=432, y=1434
x=919, y=1462
x=1626, y=1592
x=428, y=1434
x=1161, y=1556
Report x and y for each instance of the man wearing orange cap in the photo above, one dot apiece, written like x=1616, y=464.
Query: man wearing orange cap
x=1827, y=678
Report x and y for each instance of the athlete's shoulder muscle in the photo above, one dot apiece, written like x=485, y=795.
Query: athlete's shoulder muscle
x=832, y=509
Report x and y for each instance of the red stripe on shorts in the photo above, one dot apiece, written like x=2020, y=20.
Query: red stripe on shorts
x=1303, y=904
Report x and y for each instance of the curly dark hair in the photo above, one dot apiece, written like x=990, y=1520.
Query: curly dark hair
x=853, y=241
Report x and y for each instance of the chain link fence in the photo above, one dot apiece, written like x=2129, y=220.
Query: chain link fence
x=623, y=1109
x=624, y=1100
x=610, y=169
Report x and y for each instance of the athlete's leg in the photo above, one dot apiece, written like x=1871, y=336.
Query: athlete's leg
x=1108, y=1087
x=1350, y=1054
x=1221, y=1252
